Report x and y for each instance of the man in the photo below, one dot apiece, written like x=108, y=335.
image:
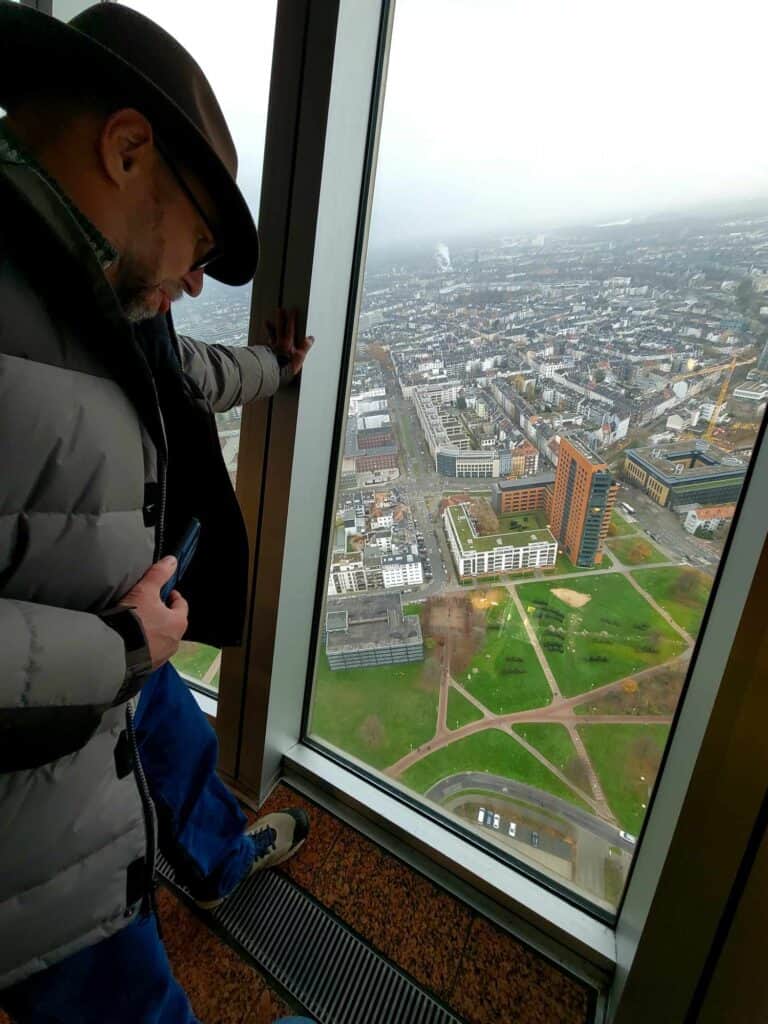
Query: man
x=117, y=192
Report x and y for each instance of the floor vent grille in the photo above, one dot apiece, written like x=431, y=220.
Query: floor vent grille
x=333, y=973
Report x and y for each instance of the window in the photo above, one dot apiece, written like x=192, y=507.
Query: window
x=569, y=283
x=221, y=314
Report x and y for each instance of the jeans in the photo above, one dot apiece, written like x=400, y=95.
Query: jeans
x=126, y=979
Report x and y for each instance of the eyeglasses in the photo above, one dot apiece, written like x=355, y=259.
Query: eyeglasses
x=213, y=253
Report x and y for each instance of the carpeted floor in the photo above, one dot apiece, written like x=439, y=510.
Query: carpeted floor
x=482, y=973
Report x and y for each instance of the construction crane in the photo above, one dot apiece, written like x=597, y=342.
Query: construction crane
x=713, y=369
x=720, y=399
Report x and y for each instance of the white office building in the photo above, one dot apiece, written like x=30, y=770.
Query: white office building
x=401, y=571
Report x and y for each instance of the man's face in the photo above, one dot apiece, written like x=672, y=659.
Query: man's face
x=169, y=234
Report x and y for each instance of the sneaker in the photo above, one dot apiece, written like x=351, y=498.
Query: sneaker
x=276, y=837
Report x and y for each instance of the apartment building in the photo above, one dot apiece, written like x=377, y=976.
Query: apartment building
x=582, y=501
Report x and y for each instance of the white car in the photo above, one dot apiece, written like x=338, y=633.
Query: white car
x=628, y=837
x=512, y=829
x=481, y=815
x=496, y=820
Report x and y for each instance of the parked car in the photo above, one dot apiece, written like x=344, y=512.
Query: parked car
x=481, y=815
x=628, y=837
x=489, y=818
x=512, y=830
x=534, y=838
x=496, y=821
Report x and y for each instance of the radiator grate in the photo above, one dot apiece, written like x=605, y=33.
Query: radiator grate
x=334, y=974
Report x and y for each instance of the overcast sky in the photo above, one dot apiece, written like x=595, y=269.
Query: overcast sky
x=503, y=114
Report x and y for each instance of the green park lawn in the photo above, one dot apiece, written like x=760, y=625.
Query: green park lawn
x=565, y=565
x=193, y=659
x=405, y=433
x=415, y=608
x=613, y=635
x=376, y=714
x=460, y=711
x=491, y=751
x=553, y=741
x=619, y=527
x=626, y=759
x=513, y=521
x=505, y=674
x=681, y=591
x=636, y=550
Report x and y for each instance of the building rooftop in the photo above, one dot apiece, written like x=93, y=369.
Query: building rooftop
x=523, y=482
x=470, y=541
x=689, y=460
x=371, y=621
x=584, y=451
x=716, y=512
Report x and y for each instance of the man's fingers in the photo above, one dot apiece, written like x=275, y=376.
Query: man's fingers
x=160, y=572
x=177, y=603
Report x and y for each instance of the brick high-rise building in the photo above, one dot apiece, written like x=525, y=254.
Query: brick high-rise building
x=584, y=496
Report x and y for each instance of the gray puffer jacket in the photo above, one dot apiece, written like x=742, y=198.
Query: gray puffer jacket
x=107, y=446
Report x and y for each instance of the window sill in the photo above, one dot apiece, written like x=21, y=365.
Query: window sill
x=567, y=934
x=208, y=704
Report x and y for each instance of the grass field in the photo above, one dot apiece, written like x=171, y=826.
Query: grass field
x=681, y=591
x=376, y=714
x=619, y=527
x=505, y=674
x=512, y=521
x=491, y=751
x=636, y=551
x=193, y=659
x=415, y=608
x=613, y=635
x=460, y=711
x=626, y=759
x=557, y=746
x=405, y=433
x=565, y=565
x=654, y=694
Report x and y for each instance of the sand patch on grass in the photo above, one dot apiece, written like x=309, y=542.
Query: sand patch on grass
x=572, y=598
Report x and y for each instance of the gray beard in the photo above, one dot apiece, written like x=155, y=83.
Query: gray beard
x=135, y=310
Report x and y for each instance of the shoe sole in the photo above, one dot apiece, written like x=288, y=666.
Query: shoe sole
x=212, y=904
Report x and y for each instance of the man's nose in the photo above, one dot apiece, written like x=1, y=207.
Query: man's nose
x=192, y=282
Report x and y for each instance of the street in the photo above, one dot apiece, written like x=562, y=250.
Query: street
x=664, y=528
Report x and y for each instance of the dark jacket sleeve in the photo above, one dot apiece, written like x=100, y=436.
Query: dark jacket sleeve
x=59, y=671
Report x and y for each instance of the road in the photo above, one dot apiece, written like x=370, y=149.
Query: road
x=664, y=528
x=443, y=789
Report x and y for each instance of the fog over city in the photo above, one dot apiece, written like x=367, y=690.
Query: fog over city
x=502, y=115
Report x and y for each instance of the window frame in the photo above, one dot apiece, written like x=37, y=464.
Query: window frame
x=319, y=168
x=273, y=741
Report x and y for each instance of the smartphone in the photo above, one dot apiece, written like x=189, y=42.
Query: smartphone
x=184, y=554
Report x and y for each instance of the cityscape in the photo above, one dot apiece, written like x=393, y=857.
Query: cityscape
x=546, y=439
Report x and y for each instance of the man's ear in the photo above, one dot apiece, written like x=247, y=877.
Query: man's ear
x=125, y=147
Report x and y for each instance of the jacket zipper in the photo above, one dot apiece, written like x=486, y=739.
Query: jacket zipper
x=148, y=904
x=163, y=474
x=148, y=900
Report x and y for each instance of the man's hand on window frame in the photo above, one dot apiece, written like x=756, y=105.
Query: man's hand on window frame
x=282, y=340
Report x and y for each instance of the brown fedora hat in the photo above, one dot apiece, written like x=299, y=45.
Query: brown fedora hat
x=121, y=53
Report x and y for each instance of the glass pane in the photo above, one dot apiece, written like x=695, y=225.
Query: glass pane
x=239, y=74
x=560, y=370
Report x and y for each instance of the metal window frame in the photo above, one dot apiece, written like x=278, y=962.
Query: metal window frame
x=657, y=967
x=320, y=152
